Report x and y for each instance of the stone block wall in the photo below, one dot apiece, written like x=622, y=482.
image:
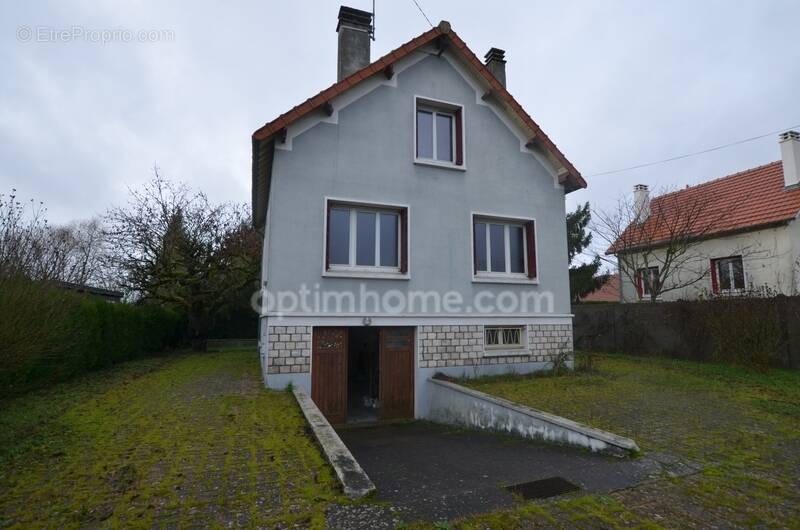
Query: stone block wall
x=289, y=350
x=446, y=346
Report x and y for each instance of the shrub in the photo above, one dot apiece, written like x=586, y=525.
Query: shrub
x=48, y=334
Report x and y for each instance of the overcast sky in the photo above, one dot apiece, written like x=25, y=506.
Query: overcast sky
x=613, y=83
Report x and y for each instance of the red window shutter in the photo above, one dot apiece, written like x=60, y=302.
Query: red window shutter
x=474, y=249
x=328, y=236
x=404, y=240
x=639, y=284
x=530, y=235
x=714, y=280
x=459, y=138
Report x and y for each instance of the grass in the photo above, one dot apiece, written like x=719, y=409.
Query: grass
x=192, y=440
x=743, y=427
x=195, y=441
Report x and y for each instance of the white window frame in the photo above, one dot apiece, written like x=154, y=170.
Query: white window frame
x=352, y=270
x=490, y=276
x=732, y=290
x=495, y=349
x=444, y=108
x=642, y=285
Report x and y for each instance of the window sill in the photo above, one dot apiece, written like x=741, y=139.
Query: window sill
x=443, y=165
x=730, y=292
x=505, y=279
x=507, y=353
x=376, y=275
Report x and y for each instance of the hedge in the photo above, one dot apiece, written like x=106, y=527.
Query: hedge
x=49, y=335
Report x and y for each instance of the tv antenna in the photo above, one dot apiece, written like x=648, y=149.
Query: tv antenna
x=372, y=30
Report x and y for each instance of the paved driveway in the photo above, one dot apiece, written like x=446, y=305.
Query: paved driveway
x=434, y=472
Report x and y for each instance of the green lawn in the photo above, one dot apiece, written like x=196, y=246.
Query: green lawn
x=192, y=440
x=742, y=427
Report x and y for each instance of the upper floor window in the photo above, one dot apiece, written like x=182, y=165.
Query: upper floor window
x=366, y=238
x=727, y=275
x=503, y=248
x=646, y=279
x=438, y=133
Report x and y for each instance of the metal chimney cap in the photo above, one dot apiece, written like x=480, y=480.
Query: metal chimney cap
x=354, y=17
x=641, y=187
x=789, y=135
x=495, y=54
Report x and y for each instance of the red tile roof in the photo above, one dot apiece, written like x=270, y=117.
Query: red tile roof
x=748, y=200
x=572, y=178
x=609, y=292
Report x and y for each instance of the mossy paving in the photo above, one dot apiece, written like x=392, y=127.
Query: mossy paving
x=742, y=427
x=188, y=441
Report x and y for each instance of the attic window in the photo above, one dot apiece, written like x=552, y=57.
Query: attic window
x=438, y=133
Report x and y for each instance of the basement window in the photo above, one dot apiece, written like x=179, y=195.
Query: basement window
x=438, y=133
x=503, y=337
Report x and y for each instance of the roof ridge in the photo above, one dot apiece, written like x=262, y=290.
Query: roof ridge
x=713, y=181
x=571, y=178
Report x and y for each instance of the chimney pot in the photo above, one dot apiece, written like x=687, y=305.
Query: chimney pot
x=496, y=63
x=641, y=202
x=355, y=35
x=790, y=156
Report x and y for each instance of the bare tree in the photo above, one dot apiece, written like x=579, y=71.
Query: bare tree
x=655, y=244
x=173, y=246
x=33, y=249
x=84, y=248
x=24, y=239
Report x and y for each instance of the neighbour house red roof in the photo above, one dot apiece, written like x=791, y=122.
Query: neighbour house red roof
x=748, y=200
x=571, y=178
x=609, y=292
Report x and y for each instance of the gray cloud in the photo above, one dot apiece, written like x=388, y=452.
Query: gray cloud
x=613, y=83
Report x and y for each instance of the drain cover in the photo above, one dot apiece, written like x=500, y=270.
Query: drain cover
x=541, y=489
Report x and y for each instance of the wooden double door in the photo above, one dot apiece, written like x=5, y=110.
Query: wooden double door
x=329, y=373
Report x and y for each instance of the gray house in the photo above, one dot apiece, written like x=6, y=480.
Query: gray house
x=414, y=223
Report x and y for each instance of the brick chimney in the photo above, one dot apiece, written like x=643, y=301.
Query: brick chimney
x=790, y=155
x=496, y=63
x=641, y=202
x=355, y=33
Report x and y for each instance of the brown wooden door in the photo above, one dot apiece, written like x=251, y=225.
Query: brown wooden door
x=396, y=373
x=329, y=372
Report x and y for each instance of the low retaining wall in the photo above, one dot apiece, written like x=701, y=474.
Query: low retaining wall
x=454, y=404
x=354, y=480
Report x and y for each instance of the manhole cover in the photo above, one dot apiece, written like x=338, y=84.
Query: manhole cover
x=541, y=489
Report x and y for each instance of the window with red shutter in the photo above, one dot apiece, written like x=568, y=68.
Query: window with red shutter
x=439, y=133
x=366, y=238
x=503, y=248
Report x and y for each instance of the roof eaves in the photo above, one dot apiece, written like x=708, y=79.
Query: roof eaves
x=572, y=179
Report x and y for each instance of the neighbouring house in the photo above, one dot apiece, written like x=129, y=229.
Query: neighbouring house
x=108, y=295
x=414, y=222
x=608, y=292
x=750, y=240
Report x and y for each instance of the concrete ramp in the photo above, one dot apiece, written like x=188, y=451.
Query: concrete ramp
x=454, y=404
x=354, y=480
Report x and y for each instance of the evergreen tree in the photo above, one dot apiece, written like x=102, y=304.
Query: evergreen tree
x=583, y=277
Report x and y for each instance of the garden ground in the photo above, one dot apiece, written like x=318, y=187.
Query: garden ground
x=186, y=441
x=194, y=440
